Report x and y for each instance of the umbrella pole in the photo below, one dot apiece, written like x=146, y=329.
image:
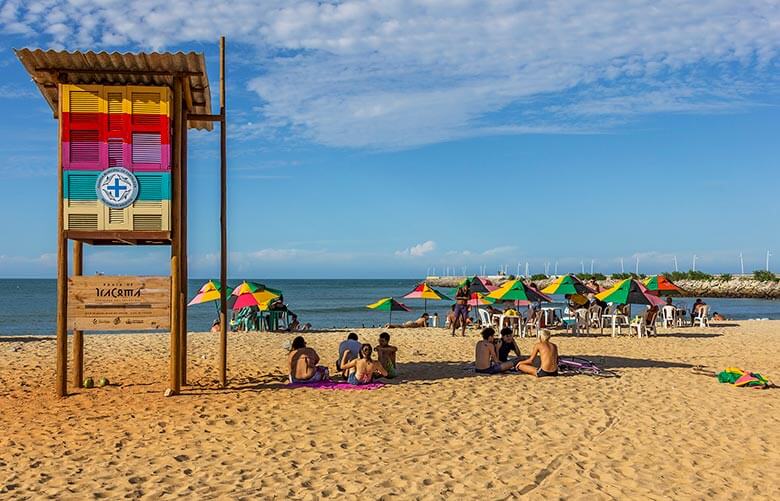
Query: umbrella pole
x=390, y=319
x=425, y=302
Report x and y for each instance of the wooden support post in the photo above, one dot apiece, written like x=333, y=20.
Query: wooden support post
x=176, y=224
x=77, y=371
x=183, y=240
x=174, y=381
x=62, y=281
x=222, y=219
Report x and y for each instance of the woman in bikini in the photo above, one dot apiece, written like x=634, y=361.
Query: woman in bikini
x=362, y=369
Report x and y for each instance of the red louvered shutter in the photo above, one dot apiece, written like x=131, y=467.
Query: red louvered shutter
x=83, y=128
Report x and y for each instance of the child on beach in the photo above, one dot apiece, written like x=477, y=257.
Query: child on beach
x=386, y=354
x=548, y=354
x=362, y=370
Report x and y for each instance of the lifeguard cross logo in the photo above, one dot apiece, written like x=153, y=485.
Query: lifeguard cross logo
x=117, y=187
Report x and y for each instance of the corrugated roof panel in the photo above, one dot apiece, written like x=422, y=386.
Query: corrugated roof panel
x=101, y=66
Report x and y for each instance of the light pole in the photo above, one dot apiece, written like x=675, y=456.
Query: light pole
x=675, y=264
x=768, y=254
x=591, y=266
x=694, y=262
x=637, y=265
x=622, y=268
x=741, y=264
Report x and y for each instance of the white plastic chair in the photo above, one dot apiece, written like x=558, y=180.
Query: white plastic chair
x=703, y=318
x=639, y=325
x=594, y=316
x=668, y=316
x=484, y=318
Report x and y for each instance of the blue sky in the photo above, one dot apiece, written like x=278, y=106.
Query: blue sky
x=386, y=138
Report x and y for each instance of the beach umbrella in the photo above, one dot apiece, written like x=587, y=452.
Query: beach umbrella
x=254, y=294
x=516, y=290
x=425, y=292
x=477, y=284
x=629, y=291
x=567, y=284
x=388, y=304
x=659, y=284
x=479, y=299
x=210, y=291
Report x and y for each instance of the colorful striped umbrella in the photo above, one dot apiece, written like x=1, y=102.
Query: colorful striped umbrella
x=254, y=294
x=476, y=284
x=210, y=291
x=629, y=291
x=388, y=304
x=567, y=284
x=516, y=290
x=479, y=299
x=425, y=292
x=659, y=284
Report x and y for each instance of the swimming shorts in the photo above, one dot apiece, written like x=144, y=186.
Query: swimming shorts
x=543, y=373
x=320, y=374
x=391, y=371
x=353, y=380
x=461, y=310
x=493, y=369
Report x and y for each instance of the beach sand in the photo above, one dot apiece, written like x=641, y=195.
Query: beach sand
x=658, y=432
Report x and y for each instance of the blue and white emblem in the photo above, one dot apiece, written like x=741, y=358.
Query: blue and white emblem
x=117, y=187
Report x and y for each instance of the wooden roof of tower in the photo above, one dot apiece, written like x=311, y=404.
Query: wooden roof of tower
x=49, y=67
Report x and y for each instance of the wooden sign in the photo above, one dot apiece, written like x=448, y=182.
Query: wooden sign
x=110, y=303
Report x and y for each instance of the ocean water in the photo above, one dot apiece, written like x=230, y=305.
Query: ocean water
x=29, y=306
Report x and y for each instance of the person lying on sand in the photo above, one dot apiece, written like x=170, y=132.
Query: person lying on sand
x=302, y=363
x=506, y=345
x=548, y=354
x=718, y=317
x=411, y=324
x=386, y=354
x=362, y=370
x=486, y=358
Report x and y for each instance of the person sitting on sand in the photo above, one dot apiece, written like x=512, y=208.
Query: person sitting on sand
x=215, y=327
x=486, y=357
x=386, y=354
x=548, y=354
x=361, y=370
x=411, y=324
x=302, y=363
x=461, y=308
x=349, y=349
x=507, y=344
x=718, y=317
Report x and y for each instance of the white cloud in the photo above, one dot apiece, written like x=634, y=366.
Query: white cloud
x=397, y=73
x=418, y=250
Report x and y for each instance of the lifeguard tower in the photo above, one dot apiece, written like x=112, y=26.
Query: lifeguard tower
x=122, y=180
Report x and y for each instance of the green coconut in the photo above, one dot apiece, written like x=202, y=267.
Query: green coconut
x=89, y=383
x=102, y=382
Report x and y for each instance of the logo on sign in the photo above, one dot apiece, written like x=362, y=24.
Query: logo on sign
x=117, y=187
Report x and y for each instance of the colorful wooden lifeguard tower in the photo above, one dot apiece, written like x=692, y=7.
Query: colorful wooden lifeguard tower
x=122, y=180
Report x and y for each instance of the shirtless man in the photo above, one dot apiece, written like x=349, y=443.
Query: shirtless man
x=461, y=309
x=362, y=370
x=386, y=354
x=302, y=363
x=486, y=357
x=548, y=354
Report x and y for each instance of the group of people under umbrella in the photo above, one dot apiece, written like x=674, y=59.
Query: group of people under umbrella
x=587, y=304
x=255, y=306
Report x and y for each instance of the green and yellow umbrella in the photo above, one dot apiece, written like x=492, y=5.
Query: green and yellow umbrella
x=388, y=304
x=659, y=284
x=629, y=291
x=210, y=291
x=516, y=290
x=567, y=284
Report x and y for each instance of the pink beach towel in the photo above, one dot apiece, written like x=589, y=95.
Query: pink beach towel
x=337, y=385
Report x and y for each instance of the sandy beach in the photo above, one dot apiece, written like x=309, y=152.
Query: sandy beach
x=657, y=432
